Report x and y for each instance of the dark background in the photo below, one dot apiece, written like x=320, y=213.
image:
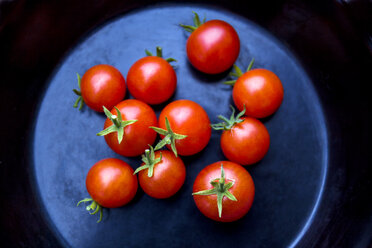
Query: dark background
x=331, y=38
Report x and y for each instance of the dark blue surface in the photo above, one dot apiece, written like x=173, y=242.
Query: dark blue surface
x=288, y=180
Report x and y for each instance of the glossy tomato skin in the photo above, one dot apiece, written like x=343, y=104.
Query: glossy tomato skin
x=188, y=118
x=169, y=176
x=111, y=183
x=102, y=85
x=246, y=143
x=152, y=80
x=138, y=135
x=213, y=47
x=260, y=90
x=243, y=189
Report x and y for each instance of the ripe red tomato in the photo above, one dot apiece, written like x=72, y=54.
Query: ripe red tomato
x=111, y=183
x=213, y=46
x=137, y=136
x=247, y=142
x=238, y=182
x=152, y=80
x=167, y=177
x=187, y=118
x=102, y=85
x=261, y=92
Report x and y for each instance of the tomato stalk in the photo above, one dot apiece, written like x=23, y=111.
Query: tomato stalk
x=149, y=159
x=159, y=53
x=93, y=208
x=221, y=189
x=78, y=93
x=118, y=124
x=227, y=124
x=197, y=23
x=238, y=73
x=170, y=137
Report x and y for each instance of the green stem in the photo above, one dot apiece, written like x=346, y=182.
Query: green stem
x=170, y=137
x=159, y=53
x=227, y=124
x=197, y=23
x=118, y=124
x=78, y=93
x=220, y=189
x=149, y=161
x=237, y=73
x=93, y=208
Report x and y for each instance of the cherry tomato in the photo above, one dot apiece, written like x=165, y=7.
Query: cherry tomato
x=213, y=46
x=187, y=118
x=111, y=183
x=261, y=92
x=167, y=177
x=102, y=85
x=137, y=136
x=152, y=80
x=246, y=142
x=237, y=181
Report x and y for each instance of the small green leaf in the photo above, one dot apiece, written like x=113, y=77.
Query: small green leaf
x=220, y=189
x=196, y=19
x=171, y=60
x=170, y=137
x=120, y=134
x=159, y=131
x=148, y=53
x=108, y=130
x=250, y=65
x=227, y=124
x=219, y=204
x=230, y=82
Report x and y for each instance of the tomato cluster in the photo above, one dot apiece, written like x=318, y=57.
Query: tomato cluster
x=224, y=190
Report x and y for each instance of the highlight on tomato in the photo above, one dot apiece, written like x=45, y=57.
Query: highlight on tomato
x=259, y=90
x=224, y=191
x=110, y=183
x=152, y=79
x=184, y=127
x=213, y=46
x=244, y=140
x=126, y=129
x=101, y=86
x=161, y=174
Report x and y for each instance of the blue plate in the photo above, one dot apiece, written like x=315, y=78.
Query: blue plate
x=289, y=180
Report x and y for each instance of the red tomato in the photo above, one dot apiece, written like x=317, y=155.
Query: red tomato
x=246, y=142
x=152, y=80
x=168, y=176
x=213, y=47
x=137, y=136
x=242, y=189
x=261, y=92
x=102, y=85
x=187, y=118
x=111, y=183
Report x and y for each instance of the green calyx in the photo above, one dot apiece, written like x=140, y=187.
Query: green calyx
x=170, y=137
x=79, y=101
x=221, y=189
x=227, y=124
x=93, y=208
x=118, y=125
x=238, y=73
x=159, y=53
x=149, y=161
x=197, y=23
